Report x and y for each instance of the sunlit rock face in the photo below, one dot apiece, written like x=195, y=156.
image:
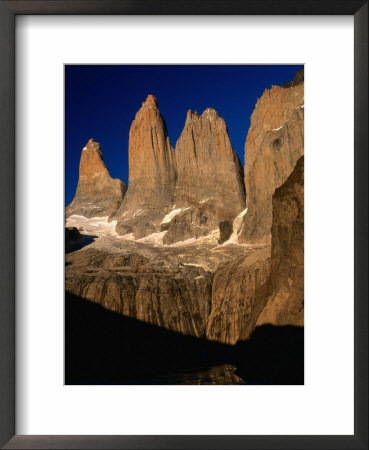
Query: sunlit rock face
x=209, y=184
x=151, y=173
x=274, y=143
x=286, y=303
x=97, y=193
x=185, y=192
x=207, y=166
x=151, y=159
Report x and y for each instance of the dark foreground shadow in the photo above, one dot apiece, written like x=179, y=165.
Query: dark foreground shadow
x=74, y=245
x=273, y=355
x=103, y=347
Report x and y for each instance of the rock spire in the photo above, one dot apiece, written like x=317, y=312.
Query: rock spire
x=151, y=172
x=97, y=193
x=184, y=192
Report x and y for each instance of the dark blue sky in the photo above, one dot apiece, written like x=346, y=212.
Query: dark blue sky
x=101, y=102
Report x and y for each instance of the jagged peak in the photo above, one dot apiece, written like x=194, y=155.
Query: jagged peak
x=191, y=115
x=297, y=79
x=150, y=101
x=209, y=111
x=150, y=104
x=91, y=143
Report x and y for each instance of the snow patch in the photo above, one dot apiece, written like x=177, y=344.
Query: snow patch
x=137, y=213
x=277, y=129
x=153, y=238
x=180, y=243
x=128, y=237
x=84, y=149
x=303, y=103
x=202, y=266
x=94, y=225
x=168, y=218
x=213, y=235
x=170, y=215
x=204, y=201
x=237, y=227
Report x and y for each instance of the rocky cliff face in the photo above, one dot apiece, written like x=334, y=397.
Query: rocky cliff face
x=170, y=296
x=209, y=187
x=239, y=294
x=170, y=287
x=151, y=173
x=184, y=193
x=256, y=290
x=274, y=143
x=286, y=303
x=97, y=193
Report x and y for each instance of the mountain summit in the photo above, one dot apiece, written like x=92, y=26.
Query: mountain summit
x=184, y=192
x=97, y=193
x=209, y=185
x=151, y=172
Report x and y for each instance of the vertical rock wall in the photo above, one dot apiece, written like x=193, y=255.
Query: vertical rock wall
x=274, y=143
x=286, y=303
x=151, y=173
x=182, y=193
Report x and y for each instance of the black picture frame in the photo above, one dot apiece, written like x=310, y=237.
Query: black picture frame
x=8, y=12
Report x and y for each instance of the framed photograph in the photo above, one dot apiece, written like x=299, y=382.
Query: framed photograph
x=174, y=272
x=184, y=237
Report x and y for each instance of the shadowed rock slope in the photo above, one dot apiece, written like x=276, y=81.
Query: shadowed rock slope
x=256, y=290
x=165, y=286
x=171, y=296
x=97, y=193
x=274, y=143
x=286, y=303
